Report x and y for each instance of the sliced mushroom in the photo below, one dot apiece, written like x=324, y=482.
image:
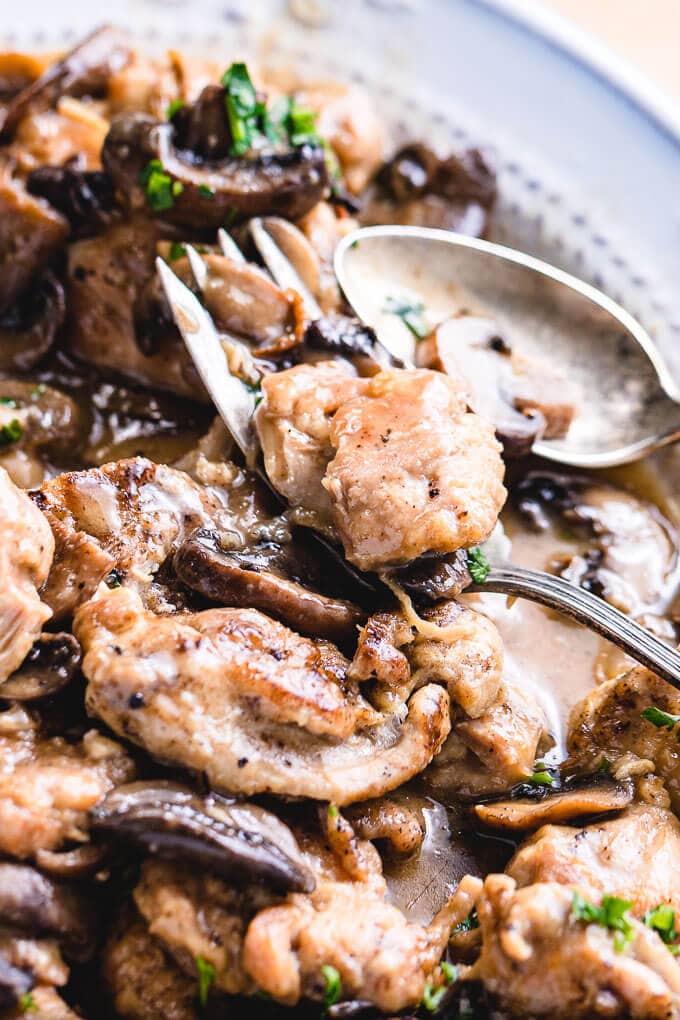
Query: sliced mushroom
x=85, y=198
x=283, y=184
x=470, y=347
x=30, y=232
x=265, y=577
x=81, y=862
x=237, y=840
x=431, y=578
x=29, y=329
x=84, y=70
x=14, y=983
x=597, y=795
x=49, y=666
x=39, y=906
x=350, y=338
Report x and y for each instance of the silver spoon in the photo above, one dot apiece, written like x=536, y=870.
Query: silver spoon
x=235, y=404
x=627, y=405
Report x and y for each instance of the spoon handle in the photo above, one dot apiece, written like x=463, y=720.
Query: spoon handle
x=589, y=610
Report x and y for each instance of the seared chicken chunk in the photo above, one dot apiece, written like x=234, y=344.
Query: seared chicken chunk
x=129, y=515
x=48, y=786
x=542, y=962
x=26, y=550
x=635, y=856
x=405, y=467
x=257, y=708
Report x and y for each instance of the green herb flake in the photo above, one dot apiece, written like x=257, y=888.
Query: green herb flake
x=241, y=103
x=432, y=997
x=662, y=920
x=541, y=776
x=8, y=402
x=478, y=565
x=612, y=913
x=11, y=432
x=470, y=922
x=27, y=1003
x=174, y=106
x=333, y=982
x=206, y=192
x=177, y=251
x=159, y=187
x=662, y=720
x=333, y=811
x=301, y=126
x=449, y=971
x=411, y=313
x=206, y=976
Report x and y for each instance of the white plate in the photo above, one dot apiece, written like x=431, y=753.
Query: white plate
x=589, y=157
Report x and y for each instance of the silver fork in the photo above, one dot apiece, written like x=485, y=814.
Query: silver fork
x=235, y=402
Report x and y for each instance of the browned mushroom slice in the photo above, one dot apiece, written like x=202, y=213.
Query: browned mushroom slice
x=49, y=666
x=257, y=578
x=81, y=862
x=237, y=840
x=84, y=70
x=30, y=232
x=599, y=795
x=84, y=197
x=206, y=195
x=39, y=906
x=29, y=328
x=349, y=338
x=431, y=578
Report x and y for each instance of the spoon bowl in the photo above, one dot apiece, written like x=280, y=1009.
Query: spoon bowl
x=626, y=396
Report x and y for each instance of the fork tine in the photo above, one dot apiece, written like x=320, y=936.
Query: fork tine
x=281, y=268
x=198, y=267
x=229, y=247
x=233, y=400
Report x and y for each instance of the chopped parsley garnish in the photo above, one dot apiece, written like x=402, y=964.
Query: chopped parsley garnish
x=256, y=390
x=11, y=432
x=177, y=251
x=433, y=996
x=333, y=811
x=411, y=313
x=160, y=189
x=174, y=106
x=612, y=913
x=331, y=976
x=662, y=921
x=206, y=192
x=8, y=402
x=206, y=976
x=541, y=776
x=249, y=117
x=27, y=1003
x=468, y=924
x=478, y=565
x=662, y=720
x=112, y=580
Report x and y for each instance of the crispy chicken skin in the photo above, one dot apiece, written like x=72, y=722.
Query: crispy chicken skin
x=405, y=468
x=634, y=856
x=257, y=708
x=48, y=786
x=26, y=551
x=541, y=962
x=129, y=515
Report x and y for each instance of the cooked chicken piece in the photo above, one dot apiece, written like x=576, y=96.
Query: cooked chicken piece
x=26, y=550
x=632, y=856
x=414, y=472
x=259, y=943
x=130, y=515
x=390, y=822
x=236, y=695
x=48, y=786
x=541, y=962
x=608, y=724
x=293, y=422
x=30, y=232
x=405, y=468
x=506, y=736
x=106, y=278
x=143, y=981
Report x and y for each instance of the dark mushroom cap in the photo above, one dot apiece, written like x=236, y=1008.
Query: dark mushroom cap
x=49, y=666
x=350, y=338
x=37, y=905
x=591, y=795
x=240, y=841
x=284, y=184
x=431, y=578
x=86, y=198
x=84, y=70
x=256, y=578
x=29, y=329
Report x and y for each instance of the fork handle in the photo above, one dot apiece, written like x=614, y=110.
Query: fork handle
x=589, y=610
